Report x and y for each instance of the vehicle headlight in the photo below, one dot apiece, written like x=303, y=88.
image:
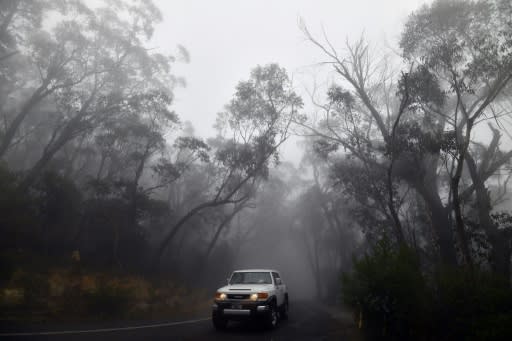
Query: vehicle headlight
x=220, y=296
x=259, y=296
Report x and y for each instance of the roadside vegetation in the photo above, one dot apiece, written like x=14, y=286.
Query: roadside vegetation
x=70, y=293
x=394, y=297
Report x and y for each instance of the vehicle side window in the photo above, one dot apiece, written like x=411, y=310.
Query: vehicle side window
x=276, y=277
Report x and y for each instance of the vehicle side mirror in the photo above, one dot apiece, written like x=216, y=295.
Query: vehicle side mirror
x=227, y=280
x=278, y=281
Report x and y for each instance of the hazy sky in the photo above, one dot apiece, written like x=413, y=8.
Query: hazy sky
x=227, y=38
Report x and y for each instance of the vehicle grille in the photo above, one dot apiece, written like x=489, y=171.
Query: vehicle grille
x=239, y=296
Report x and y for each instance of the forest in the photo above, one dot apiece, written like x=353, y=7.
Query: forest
x=399, y=209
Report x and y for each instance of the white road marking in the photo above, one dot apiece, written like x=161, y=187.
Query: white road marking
x=104, y=330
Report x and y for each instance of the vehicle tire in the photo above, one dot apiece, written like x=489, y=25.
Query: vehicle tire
x=283, y=313
x=219, y=322
x=272, y=317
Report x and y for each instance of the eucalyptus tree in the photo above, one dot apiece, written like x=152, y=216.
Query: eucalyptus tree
x=90, y=68
x=79, y=83
x=17, y=20
x=467, y=47
x=324, y=220
x=419, y=128
x=43, y=63
x=250, y=131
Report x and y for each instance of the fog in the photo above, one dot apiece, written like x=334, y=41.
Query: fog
x=361, y=148
x=226, y=39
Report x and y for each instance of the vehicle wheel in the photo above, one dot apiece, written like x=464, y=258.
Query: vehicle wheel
x=272, y=317
x=219, y=323
x=283, y=313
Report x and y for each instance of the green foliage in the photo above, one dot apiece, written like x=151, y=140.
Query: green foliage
x=256, y=120
x=7, y=267
x=399, y=302
x=18, y=211
x=110, y=300
x=472, y=305
x=341, y=97
x=470, y=39
x=63, y=294
x=412, y=142
x=387, y=287
x=420, y=87
x=59, y=204
x=55, y=217
x=106, y=220
x=35, y=288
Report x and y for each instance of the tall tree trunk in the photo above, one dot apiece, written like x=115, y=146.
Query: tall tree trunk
x=116, y=263
x=459, y=223
x=71, y=162
x=179, y=224
x=36, y=170
x=67, y=134
x=312, y=256
x=441, y=223
x=500, y=253
x=397, y=224
x=101, y=166
x=41, y=164
x=135, y=185
x=225, y=222
x=7, y=21
x=462, y=148
x=12, y=129
x=217, y=201
x=221, y=226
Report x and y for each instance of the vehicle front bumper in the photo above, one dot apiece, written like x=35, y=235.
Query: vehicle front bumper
x=238, y=310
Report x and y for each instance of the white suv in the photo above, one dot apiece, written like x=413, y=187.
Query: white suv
x=251, y=294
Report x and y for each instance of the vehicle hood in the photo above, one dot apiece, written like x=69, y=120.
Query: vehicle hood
x=245, y=288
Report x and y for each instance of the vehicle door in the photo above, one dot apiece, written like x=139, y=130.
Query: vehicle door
x=280, y=288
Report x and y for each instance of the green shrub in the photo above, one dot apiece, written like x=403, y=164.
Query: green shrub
x=35, y=288
x=388, y=290
x=110, y=301
x=7, y=267
x=472, y=305
x=397, y=301
x=18, y=218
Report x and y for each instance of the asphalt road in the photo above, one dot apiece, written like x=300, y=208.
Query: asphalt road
x=307, y=321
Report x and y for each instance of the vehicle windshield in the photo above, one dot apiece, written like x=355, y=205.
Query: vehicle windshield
x=251, y=278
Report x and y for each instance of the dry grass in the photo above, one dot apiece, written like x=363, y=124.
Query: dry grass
x=66, y=294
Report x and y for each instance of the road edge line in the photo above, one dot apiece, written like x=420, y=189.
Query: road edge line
x=104, y=330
